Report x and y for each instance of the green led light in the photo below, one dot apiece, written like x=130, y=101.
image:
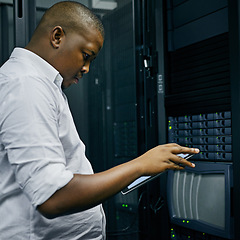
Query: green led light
x=123, y=205
x=189, y=236
x=203, y=234
x=187, y=221
x=173, y=235
x=183, y=221
x=170, y=127
x=126, y=205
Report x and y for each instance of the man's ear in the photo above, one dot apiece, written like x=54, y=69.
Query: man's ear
x=56, y=36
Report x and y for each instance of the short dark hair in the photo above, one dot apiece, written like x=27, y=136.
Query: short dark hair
x=71, y=16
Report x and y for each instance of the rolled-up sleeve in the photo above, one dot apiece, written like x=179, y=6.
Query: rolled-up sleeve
x=29, y=132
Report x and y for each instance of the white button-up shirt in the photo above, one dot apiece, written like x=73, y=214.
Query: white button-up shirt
x=40, y=150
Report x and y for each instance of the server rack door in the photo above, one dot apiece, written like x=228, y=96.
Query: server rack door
x=121, y=115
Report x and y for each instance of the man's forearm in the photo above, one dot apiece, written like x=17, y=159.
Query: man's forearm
x=86, y=191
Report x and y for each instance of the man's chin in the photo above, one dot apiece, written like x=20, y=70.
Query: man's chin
x=65, y=85
x=68, y=83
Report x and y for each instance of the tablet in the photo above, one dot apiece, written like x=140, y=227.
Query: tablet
x=144, y=179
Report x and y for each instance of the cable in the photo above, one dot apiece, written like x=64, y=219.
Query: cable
x=159, y=204
x=124, y=230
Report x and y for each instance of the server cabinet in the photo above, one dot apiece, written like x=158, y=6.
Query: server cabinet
x=201, y=87
x=121, y=115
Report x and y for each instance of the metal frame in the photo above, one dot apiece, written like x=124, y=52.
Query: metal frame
x=4, y=33
x=160, y=11
x=234, y=43
x=24, y=21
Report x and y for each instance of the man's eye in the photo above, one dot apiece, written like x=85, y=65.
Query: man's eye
x=86, y=56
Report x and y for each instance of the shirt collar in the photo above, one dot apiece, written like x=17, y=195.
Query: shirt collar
x=43, y=68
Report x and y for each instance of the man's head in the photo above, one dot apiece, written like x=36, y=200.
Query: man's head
x=69, y=36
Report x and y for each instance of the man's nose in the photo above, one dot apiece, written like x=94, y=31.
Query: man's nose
x=85, y=68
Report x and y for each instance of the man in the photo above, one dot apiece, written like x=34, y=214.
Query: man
x=47, y=186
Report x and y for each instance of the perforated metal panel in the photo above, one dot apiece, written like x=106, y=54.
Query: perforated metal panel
x=198, y=77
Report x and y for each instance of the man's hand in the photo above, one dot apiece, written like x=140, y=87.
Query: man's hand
x=165, y=157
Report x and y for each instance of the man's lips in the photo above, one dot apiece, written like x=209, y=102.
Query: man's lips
x=76, y=79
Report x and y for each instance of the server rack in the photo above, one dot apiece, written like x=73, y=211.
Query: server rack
x=121, y=115
x=202, y=87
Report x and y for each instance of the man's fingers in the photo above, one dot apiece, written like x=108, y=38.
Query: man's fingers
x=178, y=167
x=174, y=166
x=178, y=160
x=192, y=150
x=180, y=149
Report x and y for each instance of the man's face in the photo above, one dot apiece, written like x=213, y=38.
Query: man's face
x=75, y=54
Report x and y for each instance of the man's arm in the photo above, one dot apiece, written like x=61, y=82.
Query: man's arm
x=86, y=191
